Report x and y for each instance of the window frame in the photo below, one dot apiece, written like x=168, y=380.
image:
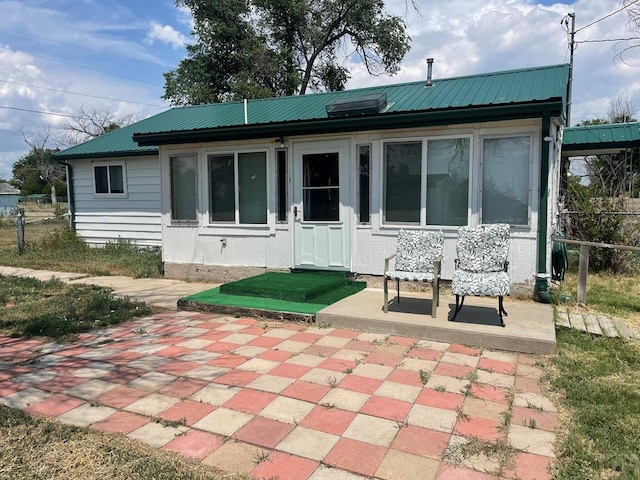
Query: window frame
x=236, y=221
x=176, y=221
x=109, y=164
x=383, y=180
x=359, y=184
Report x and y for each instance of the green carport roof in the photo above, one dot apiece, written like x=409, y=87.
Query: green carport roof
x=600, y=139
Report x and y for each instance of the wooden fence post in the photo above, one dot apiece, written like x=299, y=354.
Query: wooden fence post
x=583, y=270
x=20, y=231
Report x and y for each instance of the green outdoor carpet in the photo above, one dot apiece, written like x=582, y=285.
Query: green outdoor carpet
x=297, y=292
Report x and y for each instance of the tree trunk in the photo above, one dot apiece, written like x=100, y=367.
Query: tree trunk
x=54, y=197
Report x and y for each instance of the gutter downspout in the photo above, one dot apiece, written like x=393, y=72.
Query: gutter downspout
x=541, y=292
x=70, y=196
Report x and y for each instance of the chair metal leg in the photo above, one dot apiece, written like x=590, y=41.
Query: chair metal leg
x=459, y=304
x=501, y=310
x=385, y=305
x=398, y=289
x=435, y=298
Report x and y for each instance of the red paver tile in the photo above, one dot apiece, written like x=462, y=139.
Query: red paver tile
x=290, y=370
x=188, y=410
x=354, y=456
x=54, y=405
x=453, y=370
x=321, y=350
x=237, y=378
x=264, y=432
x=305, y=337
x=71, y=351
x=8, y=388
x=446, y=400
x=386, y=408
x=451, y=472
x=338, y=365
x=386, y=359
x=406, y=341
x=276, y=355
x=525, y=359
x=126, y=344
x=194, y=444
x=221, y=347
x=121, y=422
x=406, y=377
x=497, y=366
x=343, y=333
x=425, y=354
x=266, y=342
x=356, y=383
x=488, y=392
x=457, y=348
x=421, y=441
x=530, y=417
x=246, y=321
x=123, y=375
x=169, y=340
x=123, y=357
x=250, y=401
x=69, y=366
x=530, y=467
x=528, y=384
x=479, y=427
x=329, y=420
x=360, y=346
x=173, y=351
x=252, y=331
x=228, y=360
x=177, y=367
x=121, y=396
x=60, y=383
x=284, y=467
x=310, y=392
x=214, y=335
x=182, y=387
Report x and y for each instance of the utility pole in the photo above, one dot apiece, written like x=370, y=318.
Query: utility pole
x=572, y=44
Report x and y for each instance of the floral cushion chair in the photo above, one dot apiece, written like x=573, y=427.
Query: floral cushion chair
x=418, y=258
x=481, y=266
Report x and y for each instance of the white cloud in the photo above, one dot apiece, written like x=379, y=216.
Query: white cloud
x=166, y=34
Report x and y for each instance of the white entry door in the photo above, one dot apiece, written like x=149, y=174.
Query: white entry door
x=321, y=211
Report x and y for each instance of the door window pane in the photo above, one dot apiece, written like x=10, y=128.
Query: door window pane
x=101, y=179
x=183, y=187
x=448, y=181
x=115, y=179
x=222, y=207
x=505, y=180
x=283, y=204
x=252, y=187
x=364, y=185
x=321, y=186
x=402, y=165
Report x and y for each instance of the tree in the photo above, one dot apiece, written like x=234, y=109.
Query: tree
x=263, y=48
x=88, y=124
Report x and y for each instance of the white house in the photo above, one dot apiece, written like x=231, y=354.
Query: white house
x=325, y=181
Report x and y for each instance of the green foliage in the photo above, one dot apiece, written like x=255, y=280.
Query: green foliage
x=598, y=379
x=264, y=48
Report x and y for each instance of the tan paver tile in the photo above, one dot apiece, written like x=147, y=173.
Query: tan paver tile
x=308, y=443
x=432, y=417
x=501, y=356
x=347, y=354
x=306, y=360
x=214, y=394
x=95, y=370
x=293, y=346
x=91, y=389
x=223, y=421
x=496, y=379
x=529, y=371
x=398, y=465
x=207, y=372
x=481, y=462
x=149, y=362
x=432, y=345
x=532, y=440
x=235, y=457
x=195, y=343
x=373, y=371
x=250, y=351
x=152, y=381
x=373, y=430
x=271, y=383
x=322, y=376
x=85, y=415
x=331, y=341
x=417, y=364
x=372, y=337
x=345, y=399
x=152, y=404
x=258, y=365
x=156, y=434
x=477, y=407
x=288, y=410
x=460, y=359
x=398, y=391
x=533, y=400
x=450, y=384
x=24, y=398
x=33, y=378
x=199, y=356
x=283, y=333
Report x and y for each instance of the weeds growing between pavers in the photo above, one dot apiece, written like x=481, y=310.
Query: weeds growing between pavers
x=30, y=307
x=35, y=448
x=599, y=382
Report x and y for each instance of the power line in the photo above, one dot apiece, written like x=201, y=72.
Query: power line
x=609, y=40
x=81, y=94
x=40, y=112
x=607, y=16
x=86, y=68
x=82, y=46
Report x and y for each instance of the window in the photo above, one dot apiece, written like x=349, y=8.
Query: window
x=183, y=188
x=238, y=188
x=364, y=183
x=282, y=179
x=402, y=169
x=321, y=187
x=505, y=179
x=448, y=181
x=109, y=179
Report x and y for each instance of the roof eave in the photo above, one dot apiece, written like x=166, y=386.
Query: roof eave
x=126, y=153
x=369, y=122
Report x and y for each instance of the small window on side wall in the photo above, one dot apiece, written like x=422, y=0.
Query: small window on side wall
x=109, y=180
x=364, y=184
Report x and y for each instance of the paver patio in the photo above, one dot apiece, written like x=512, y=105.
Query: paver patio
x=291, y=400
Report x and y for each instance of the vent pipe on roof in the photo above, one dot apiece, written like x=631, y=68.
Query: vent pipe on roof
x=246, y=113
x=429, y=71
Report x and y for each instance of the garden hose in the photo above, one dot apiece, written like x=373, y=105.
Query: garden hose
x=559, y=261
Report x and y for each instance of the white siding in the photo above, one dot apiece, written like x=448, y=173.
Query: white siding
x=100, y=219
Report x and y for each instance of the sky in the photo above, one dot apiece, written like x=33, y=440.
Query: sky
x=60, y=56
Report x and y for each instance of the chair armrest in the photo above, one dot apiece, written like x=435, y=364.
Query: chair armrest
x=506, y=266
x=456, y=263
x=386, y=262
x=436, y=267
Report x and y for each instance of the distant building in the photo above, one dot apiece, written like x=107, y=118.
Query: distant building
x=8, y=200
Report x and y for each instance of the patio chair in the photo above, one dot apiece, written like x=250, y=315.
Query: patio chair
x=481, y=266
x=418, y=257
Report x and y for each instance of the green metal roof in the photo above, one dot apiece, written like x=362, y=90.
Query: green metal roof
x=509, y=94
x=117, y=143
x=612, y=133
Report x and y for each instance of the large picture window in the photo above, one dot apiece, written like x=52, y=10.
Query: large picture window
x=183, y=188
x=109, y=179
x=505, y=179
x=402, y=177
x=238, y=188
